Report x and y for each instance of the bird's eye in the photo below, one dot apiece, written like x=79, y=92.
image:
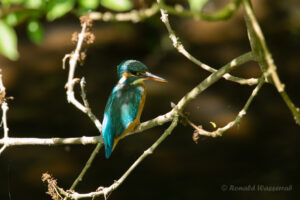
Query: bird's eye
x=132, y=72
x=135, y=73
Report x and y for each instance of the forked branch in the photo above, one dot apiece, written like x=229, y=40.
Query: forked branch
x=264, y=57
x=4, y=107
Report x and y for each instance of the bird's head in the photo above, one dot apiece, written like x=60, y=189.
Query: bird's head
x=136, y=71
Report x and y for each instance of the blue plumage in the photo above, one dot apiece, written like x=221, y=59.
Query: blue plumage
x=125, y=104
x=121, y=109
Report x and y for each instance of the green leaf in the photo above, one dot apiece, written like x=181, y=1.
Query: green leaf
x=8, y=41
x=11, y=19
x=18, y=17
x=34, y=4
x=89, y=5
x=58, y=8
x=35, y=31
x=10, y=2
x=117, y=5
x=213, y=124
x=197, y=5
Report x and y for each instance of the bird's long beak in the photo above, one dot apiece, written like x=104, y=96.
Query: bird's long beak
x=153, y=77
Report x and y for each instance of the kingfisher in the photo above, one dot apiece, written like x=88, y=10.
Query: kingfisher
x=126, y=102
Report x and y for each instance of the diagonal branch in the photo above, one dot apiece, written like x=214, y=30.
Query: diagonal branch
x=212, y=79
x=264, y=57
x=3, y=148
x=172, y=115
x=104, y=191
x=242, y=113
x=87, y=106
x=87, y=166
x=159, y=120
x=180, y=48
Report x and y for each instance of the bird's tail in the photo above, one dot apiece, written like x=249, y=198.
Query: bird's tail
x=108, y=150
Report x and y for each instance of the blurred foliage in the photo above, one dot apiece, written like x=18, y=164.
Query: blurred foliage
x=58, y=8
x=8, y=41
x=15, y=12
x=197, y=5
x=35, y=31
x=118, y=5
x=31, y=12
x=88, y=5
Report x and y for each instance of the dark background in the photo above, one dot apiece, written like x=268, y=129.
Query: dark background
x=261, y=150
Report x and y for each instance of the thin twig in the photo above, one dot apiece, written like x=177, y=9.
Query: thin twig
x=198, y=129
x=242, y=113
x=104, y=191
x=3, y=148
x=180, y=48
x=99, y=145
x=87, y=106
x=64, y=61
x=4, y=107
x=134, y=15
x=223, y=14
x=87, y=166
x=295, y=110
x=212, y=79
x=71, y=97
x=264, y=57
x=238, y=118
x=74, y=57
x=142, y=14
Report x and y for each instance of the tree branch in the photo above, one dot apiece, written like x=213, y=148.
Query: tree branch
x=104, y=191
x=87, y=106
x=142, y=14
x=172, y=115
x=134, y=15
x=13, y=141
x=260, y=52
x=180, y=48
x=160, y=120
x=212, y=79
x=85, y=35
x=4, y=107
x=87, y=166
x=242, y=113
x=223, y=14
x=264, y=57
x=74, y=57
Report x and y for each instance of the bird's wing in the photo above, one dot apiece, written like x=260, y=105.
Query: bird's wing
x=121, y=109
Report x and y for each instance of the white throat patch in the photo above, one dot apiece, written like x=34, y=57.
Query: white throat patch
x=122, y=80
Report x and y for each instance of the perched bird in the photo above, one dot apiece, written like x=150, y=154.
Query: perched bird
x=126, y=102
